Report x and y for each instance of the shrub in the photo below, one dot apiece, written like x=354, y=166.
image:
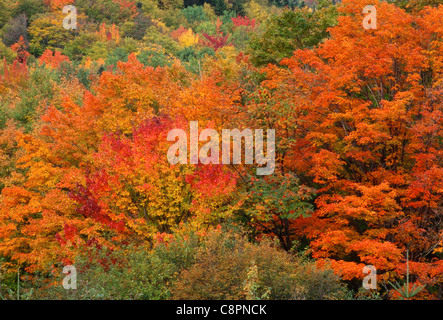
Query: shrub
x=223, y=265
x=125, y=274
x=131, y=273
x=230, y=267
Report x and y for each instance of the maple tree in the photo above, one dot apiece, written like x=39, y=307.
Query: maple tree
x=244, y=21
x=20, y=49
x=366, y=126
x=219, y=40
x=57, y=4
x=52, y=59
x=16, y=73
x=104, y=176
x=188, y=38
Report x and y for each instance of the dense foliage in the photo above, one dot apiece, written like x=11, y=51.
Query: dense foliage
x=84, y=174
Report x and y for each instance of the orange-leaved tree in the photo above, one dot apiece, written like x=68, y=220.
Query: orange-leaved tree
x=96, y=171
x=368, y=137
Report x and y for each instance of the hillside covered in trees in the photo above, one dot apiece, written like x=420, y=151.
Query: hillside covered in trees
x=89, y=94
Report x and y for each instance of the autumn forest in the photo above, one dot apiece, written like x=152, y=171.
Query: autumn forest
x=350, y=93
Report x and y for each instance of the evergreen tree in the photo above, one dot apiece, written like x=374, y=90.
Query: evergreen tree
x=238, y=8
x=220, y=7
